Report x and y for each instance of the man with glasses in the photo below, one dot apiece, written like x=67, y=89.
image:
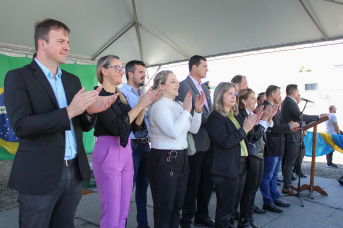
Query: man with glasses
x=135, y=75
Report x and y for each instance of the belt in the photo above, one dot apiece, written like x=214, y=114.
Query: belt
x=70, y=162
x=172, y=155
x=140, y=140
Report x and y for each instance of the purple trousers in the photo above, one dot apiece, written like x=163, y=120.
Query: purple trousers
x=113, y=172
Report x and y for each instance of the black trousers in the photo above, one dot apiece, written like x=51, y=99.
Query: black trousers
x=199, y=188
x=56, y=209
x=168, y=174
x=290, y=158
x=252, y=182
x=329, y=158
x=227, y=190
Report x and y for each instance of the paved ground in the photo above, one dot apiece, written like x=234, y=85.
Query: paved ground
x=322, y=211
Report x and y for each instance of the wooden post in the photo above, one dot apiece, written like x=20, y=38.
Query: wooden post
x=311, y=187
x=313, y=164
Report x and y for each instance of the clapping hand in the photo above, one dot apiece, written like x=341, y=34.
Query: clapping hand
x=200, y=101
x=258, y=109
x=267, y=113
x=102, y=102
x=250, y=122
x=149, y=97
x=187, y=103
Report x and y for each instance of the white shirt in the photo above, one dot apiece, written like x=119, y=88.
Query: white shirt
x=169, y=125
x=198, y=85
x=330, y=128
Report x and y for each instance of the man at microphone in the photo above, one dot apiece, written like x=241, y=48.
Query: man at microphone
x=290, y=112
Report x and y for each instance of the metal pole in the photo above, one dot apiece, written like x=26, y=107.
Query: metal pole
x=112, y=41
x=313, y=20
x=137, y=29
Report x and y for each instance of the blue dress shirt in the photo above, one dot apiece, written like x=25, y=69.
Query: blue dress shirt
x=133, y=98
x=57, y=87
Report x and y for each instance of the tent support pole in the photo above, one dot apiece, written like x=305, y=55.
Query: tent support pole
x=137, y=29
x=333, y=1
x=185, y=55
x=313, y=20
x=112, y=41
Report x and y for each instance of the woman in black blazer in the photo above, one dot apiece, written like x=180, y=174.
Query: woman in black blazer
x=228, y=133
x=247, y=103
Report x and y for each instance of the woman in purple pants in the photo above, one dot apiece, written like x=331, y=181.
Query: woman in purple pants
x=112, y=154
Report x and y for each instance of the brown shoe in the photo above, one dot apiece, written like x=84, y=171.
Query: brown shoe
x=294, y=188
x=289, y=191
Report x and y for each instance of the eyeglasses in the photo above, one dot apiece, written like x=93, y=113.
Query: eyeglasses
x=118, y=68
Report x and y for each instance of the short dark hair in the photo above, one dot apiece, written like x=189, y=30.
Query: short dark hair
x=331, y=108
x=291, y=88
x=195, y=60
x=263, y=94
x=42, y=29
x=237, y=79
x=131, y=67
x=271, y=89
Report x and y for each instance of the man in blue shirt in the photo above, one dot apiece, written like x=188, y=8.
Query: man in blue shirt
x=48, y=110
x=135, y=75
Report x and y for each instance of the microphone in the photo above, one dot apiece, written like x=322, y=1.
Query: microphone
x=303, y=99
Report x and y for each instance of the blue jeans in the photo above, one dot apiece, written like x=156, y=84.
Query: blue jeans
x=268, y=186
x=140, y=153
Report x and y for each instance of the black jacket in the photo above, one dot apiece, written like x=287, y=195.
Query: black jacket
x=255, y=137
x=40, y=125
x=276, y=138
x=290, y=112
x=225, y=140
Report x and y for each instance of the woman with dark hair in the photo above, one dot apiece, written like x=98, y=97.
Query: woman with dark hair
x=112, y=154
x=256, y=137
x=228, y=134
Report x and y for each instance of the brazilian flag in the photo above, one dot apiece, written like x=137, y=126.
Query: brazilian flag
x=8, y=140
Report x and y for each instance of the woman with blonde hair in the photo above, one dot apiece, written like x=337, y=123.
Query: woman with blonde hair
x=228, y=134
x=112, y=154
x=168, y=169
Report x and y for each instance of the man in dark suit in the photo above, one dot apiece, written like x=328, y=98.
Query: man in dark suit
x=48, y=111
x=199, y=186
x=274, y=150
x=290, y=112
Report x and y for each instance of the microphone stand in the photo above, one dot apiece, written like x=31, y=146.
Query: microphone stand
x=300, y=151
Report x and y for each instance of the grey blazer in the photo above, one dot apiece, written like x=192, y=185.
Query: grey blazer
x=201, y=139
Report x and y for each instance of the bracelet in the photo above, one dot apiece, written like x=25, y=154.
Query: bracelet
x=90, y=115
x=197, y=111
x=131, y=115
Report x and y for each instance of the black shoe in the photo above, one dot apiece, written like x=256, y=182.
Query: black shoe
x=272, y=208
x=208, y=222
x=243, y=223
x=258, y=210
x=143, y=226
x=293, y=177
x=279, y=180
x=278, y=183
x=252, y=222
x=331, y=165
x=279, y=203
x=237, y=215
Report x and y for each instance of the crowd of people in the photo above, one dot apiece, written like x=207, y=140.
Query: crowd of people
x=172, y=136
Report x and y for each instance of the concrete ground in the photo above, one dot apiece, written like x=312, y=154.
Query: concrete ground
x=321, y=211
